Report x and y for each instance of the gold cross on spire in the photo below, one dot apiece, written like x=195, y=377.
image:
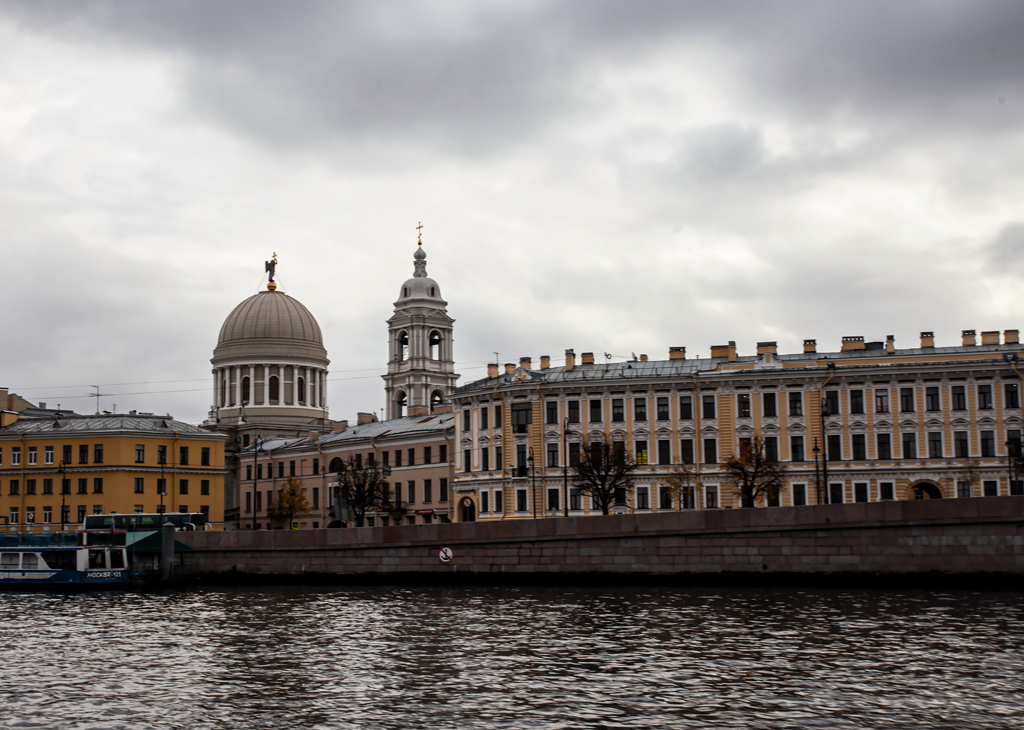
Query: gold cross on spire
x=419, y=240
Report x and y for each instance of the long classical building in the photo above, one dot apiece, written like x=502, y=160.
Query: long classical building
x=869, y=422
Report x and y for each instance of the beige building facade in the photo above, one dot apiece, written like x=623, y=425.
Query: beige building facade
x=868, y=422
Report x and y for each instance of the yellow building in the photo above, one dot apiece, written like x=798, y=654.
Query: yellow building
x=869, y=422
x=109, y=463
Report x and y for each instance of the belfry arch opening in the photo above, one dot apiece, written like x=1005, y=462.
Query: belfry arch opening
x=246, y=395
x=435, y=345
x=400, y=403
x=403, y=346
x=436, y=399
x=275, y=390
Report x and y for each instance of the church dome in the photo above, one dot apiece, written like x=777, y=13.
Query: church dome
x=420, y=286
x=270, y=323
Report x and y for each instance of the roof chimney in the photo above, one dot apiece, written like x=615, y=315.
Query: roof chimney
x=852, y=342
x=314, y=435
x=340, y=426
x=724, y=351
x=588, y=358
x=492, y=370
x=525, y=363
x=545, y=362
x=764, y=348
x=677, y=353
x=927, y=339
x=1010, y=337
x=570, y=359
x=510, y=367
x=418, y=411
x=362, y=418
x=991, y=337
x=643, y=358
x=890, y=344
x=442, y=408
x=970, y=337
x=810, y=345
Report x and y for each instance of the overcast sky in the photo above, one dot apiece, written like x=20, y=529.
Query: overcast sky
x=615, y=177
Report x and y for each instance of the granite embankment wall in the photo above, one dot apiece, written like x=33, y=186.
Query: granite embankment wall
x=982, y=536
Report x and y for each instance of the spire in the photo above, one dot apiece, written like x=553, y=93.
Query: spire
x=271, y=267
x=420, y=257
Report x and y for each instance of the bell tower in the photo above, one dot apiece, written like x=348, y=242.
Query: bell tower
x=421, y=366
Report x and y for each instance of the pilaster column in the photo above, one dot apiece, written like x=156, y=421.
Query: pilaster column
x=295, y=385
x=238, y=384
x=252, y=385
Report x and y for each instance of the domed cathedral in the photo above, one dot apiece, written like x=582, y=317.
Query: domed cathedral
x=269, y=375
x=421, y=366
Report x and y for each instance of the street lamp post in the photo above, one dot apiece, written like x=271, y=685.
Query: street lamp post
x=163, y=483
x=817, y=474
x=565, y=465
x=533, y=485
x=63, y=509
x=256, y=475
x=824, y=448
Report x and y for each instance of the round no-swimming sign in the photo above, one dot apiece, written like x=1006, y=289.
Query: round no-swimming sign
x=445, y=555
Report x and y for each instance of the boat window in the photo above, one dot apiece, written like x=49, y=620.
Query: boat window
x=96, y=559
x=9, y=560
x=117, y=559
x=61, y=560
x=29, y=561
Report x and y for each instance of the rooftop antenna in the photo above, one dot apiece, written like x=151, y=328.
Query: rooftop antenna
x=95, y=395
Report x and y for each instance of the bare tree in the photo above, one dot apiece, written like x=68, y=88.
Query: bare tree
x=753, y=475
x=363, y=488
x=682, y=485
x=291, y=501
x=604, y=470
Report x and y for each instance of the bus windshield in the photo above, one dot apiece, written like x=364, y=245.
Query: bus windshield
x=146, y=521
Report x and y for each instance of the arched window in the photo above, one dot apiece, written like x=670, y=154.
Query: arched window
x=400, y=403
x=335, y=466
x=436, y=399
x=405, y=291
x=245, y=390
x=403, y=346
x=302, y=390
x=435, y=345
x=275, y=390
x=432, y=291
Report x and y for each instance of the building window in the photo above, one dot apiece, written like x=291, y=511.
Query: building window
x=467, y=460
x=552, y=454
x=711, y=498
x=485, y=501
x=881, y=401
x=835, y=447
x=554, y=503
x=859, y=447
x=985, y=397
x=796, y=403
x=398, y=457
x=711, y=451
x=618, y=410
x=743, y=405
x=574, y=411
x=291, y=468
x=860, y=492
x=1012, y=395
x=140, y=485
x=183, y=486
x=204, y=456
x=708, y=402
x=485, y=459
x=963, y=489
x=15, y=456
x=831, y=402
x=884, y=446
x=686, y=407
x=65, y=487
x=83, y=486
x=410, y=491
x=316, y=466
x=161, y=486
x=796, y=448
x=575, y=500
x=574, y=454
x=14, y=487
x=886, y=490
x=664, y=451
x=81, y=513
x=959, y=393
x=442, y=489
x=643, y=498
x=204, y=487
x=428, y=455
x=799, y=495
x=595, y=411
x=442, y=453
x=498, y=458
x=521, y=500
x=640, y=409
x=97, y=485
x=990, y=488
x=522, y=416
x=960, y=444
x=909, y=446
x=988, y=443
x=771, y=448
x=907, y=400
x=835, y=494
x=47, y=515
x=934, y=445
x=48, y=486
x=31, y=455
x=665, y=498
x=83, y=454
x=686, y=451
x=484, y=412
x=662, y=404
x=856, y=401
x=931, y=398
x=551, y=409
x=499, y=501
x=769, y=402
x=161, y=454
x=47, y=454
x=641, y=452
x=428, y=490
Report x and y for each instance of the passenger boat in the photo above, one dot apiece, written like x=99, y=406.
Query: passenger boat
x=81, y=559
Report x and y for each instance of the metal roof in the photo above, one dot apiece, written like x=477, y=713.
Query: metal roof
x=374, y=429
x=107, y=423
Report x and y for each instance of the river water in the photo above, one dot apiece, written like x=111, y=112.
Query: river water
x=500, y=657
